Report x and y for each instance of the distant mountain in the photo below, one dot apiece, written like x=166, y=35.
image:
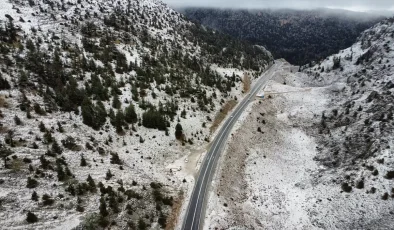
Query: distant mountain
x=299, y=36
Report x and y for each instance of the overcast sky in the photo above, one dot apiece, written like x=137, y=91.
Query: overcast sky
x=355, y=5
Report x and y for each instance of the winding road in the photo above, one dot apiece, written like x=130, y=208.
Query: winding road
x=195, y=211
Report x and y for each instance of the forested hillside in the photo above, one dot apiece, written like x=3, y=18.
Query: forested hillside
x=92, y=94
x=299, y=36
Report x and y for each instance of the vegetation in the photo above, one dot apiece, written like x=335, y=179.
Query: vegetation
x=288, y=34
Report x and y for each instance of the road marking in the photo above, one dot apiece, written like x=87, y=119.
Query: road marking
x=246, y=102
x=219, y=142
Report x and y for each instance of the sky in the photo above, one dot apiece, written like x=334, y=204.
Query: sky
x=354, y=5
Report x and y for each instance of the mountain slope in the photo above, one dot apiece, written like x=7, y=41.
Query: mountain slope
x=299, y=36
x=317, y=152
x=92, y=93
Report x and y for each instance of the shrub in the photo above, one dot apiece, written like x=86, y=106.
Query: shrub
x=34, y=196
x=115, y=159
x=47, y=200
x=31, y=183
x=346, y=187
x=108, y=175
x=390, y=175
x=17, y=120
x=178, y=131
x=360, y=184
x=83, y=161
x=31, y=217
x=385, y=196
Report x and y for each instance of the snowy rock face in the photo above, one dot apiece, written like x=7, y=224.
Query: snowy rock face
x=90, y=95
x=317, y=153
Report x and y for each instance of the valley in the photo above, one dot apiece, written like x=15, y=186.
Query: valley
x=127, y=115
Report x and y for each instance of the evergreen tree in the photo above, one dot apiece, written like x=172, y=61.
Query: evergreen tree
x=4, y=83
x=61, y=176
x=4, y=153
x=103, y=207
x=42, y=127
x=34, y=196
x=130, y=114
x=91, y=183
x=119, y=121
x=116, y=104
x=101, y=114
x=83, y=161
x=31, y=183
x=178, y=131
x=108, y=175
x=88, y=112
x=154, y=120
x=48, y=137
x=56, y=148
x=31, y=217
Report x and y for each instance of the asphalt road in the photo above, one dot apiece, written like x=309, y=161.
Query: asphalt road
x=195, y=211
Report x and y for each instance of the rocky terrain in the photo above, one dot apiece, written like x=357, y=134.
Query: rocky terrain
x=100, y=101
x=316, y=153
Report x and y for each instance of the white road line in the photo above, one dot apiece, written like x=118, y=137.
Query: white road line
x=210, y=170
x=219, y=142
x=199, y=192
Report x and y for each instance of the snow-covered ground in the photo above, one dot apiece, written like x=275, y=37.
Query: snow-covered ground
x=270, y=179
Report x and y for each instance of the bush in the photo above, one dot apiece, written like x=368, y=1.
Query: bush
x=153, y=119
x=108, y=175
x=346, y=187
x=389, y=175
x=17, y=120
x=31, y=217
x=34, y=196
x=83, y=161
x=115, y=159
x=47, y=200
x=360, y=184
x=31, y=183
x=178, y=131
x=56, y=148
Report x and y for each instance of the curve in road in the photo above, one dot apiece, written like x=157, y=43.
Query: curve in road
x=196, y=203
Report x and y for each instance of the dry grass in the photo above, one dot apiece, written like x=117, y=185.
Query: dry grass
x=222, y=114
x=176, y=209
x=3, y=102
x=16, y=165
x=247, y=82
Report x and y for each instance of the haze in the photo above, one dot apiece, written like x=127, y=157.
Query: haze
x=354, y=5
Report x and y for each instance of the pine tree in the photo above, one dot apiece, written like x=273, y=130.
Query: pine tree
x=130, y=114
x=91, y=183
x=119, y=121
x=34, y=196
x=88, y=112
x=61, y=176
x=115, y=159
x=56, y=148
x=178, y=131
x=103, y=207
x=42, y=127
x=31, y=217
x=4, y=153
x=48, y=137
x=113, y=203
x=101, y=114
x=116, y=104
x=108, y=175
x=60, y=127
x=31, y=183
x=83, y=161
